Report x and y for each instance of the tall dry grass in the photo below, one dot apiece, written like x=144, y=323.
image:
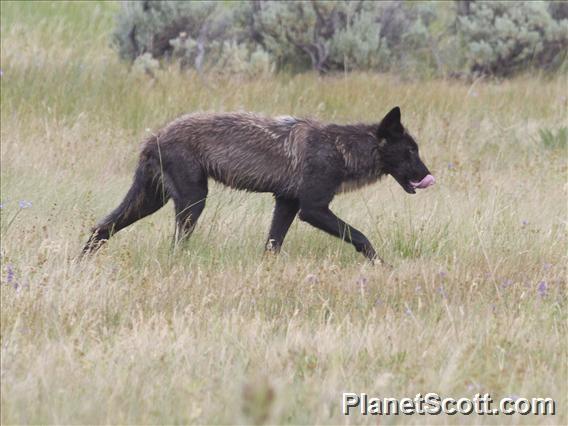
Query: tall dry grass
x=213, y=332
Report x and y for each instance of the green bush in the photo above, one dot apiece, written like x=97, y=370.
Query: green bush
x=341, y=35
x=501, y=38
x=148, y=26
x=432, y=38
x=200, y=35
x=320, y=35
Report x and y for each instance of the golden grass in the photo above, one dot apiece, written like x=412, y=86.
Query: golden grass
x=214, y=332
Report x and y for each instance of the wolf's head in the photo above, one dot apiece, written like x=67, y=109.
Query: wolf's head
x=399, y=153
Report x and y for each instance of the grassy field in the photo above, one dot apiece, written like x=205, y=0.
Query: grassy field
x=214, y=332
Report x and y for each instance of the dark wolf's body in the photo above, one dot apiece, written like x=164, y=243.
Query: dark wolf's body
x=260, y=154
x=304, y=163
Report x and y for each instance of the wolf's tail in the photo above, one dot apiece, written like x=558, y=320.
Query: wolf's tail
x=147, y=194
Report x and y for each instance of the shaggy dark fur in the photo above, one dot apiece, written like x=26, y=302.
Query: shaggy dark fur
x=304, y=163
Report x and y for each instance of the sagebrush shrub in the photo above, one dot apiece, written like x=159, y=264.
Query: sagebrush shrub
x=502, y=37
x=437, y=38
x=200, y=35
x=341, y=35
x=150, y=26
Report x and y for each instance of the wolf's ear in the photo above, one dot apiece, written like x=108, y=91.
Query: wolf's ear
x=391, y=123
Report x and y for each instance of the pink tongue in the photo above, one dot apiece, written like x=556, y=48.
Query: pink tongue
x=424, y=183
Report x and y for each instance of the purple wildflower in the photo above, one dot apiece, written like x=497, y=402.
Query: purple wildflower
x=450, y=166
x=525, y=222
x=547, y=266
x=1, y=72
x=9, y=274
x=442, y=292
x=311, y=279
x=442, y=274
x=542, y=288
x=25, y=204
x=507, y=283
x=362, y=281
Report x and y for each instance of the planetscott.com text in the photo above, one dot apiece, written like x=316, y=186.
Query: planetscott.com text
x=433, y=404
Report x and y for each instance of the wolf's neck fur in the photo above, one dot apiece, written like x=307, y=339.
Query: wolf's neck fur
x=361, y=151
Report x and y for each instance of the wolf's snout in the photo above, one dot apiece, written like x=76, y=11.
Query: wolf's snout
x=429, y=180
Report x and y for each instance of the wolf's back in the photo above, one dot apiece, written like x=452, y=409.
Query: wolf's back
x=242, y=150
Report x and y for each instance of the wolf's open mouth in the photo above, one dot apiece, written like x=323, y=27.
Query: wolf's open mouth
x=427, y=181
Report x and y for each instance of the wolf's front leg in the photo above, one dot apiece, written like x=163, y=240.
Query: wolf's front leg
x=285, y=211
x=324, y=219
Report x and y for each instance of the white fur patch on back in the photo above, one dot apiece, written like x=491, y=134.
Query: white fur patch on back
x=286, y=119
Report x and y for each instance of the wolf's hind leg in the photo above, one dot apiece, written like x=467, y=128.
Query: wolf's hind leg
x=189, y=195
x=188, y=211
x=285, y=211
x=146, y=196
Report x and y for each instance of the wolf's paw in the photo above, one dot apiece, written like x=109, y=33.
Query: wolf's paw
x=378, y=261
